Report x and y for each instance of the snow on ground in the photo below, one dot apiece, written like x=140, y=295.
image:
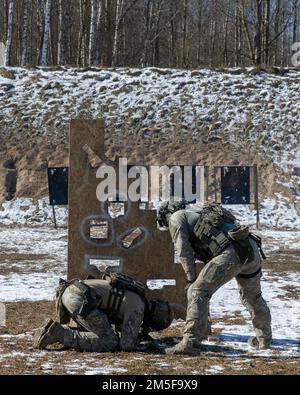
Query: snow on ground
x=35, y=279
x=280, y=240
x=285, y=313
x=26, y=211
x=34, y=259
x=279, y=214
x=90, y=365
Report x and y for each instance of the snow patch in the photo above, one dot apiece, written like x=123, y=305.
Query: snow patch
x=26, y=211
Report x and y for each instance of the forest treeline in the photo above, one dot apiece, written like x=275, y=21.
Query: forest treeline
x=141, y=33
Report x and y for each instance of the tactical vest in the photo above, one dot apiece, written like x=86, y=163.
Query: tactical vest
x=120, y=283
x=214, y=231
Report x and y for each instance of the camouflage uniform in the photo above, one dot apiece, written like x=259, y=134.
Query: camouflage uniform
x=98, y=334
x=216, y=273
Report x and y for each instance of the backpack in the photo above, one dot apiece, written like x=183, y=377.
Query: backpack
x=215, y=215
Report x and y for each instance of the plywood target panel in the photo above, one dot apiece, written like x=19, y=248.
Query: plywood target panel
x=126, y=240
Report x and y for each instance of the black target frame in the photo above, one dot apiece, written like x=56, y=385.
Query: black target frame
x=58, y=185
x=249, y=192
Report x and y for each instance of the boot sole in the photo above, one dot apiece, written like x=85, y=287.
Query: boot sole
x=39, y=335
x=257, y=347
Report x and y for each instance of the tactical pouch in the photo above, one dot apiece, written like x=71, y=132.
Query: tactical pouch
x=239, y=233
x=241, y=242
x=114, y=303
x=61, y=314
x=209, y=240
x=91, y=300
x=258, y=242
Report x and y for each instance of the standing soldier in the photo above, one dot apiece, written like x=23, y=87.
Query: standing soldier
x=213, y=236
x=97, y=304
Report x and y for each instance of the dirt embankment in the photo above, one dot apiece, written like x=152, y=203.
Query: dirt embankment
x=155, y=116
x=31, y=165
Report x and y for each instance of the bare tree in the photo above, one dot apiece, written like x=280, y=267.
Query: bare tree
x=61, y=46
x=118, y=19
x=81, y=54
x=213, y=31
x=258, y=32
x=45, y=39
x=163, y=33
x=296, y=21
x=24, y=45
x=148, y=20
x=238, y=34
x=199, y=26
x=267, y=15
x=184, y=33
x=9, y=41
x=122, y=8
x=98, y=42
x=93, y=32
x=276, y=30
x=157, y=32
x=225, y=45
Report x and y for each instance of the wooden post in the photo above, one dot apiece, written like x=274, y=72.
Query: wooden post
x=206, y=175
x=255, y=179
x=215, y=184
x=202, y=185
x=54, y=217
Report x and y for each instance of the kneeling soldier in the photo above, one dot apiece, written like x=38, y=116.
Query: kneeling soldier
x=97, y=304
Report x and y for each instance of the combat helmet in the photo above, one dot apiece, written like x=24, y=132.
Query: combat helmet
x=167, y=209
x=158, y=315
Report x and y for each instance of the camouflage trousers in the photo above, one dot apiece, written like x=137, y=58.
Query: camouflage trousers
x=216, y=273
x=98, y=334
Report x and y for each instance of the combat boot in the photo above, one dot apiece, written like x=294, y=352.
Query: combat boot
x=51, y=333
x=187, y=346
x=259, y=344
